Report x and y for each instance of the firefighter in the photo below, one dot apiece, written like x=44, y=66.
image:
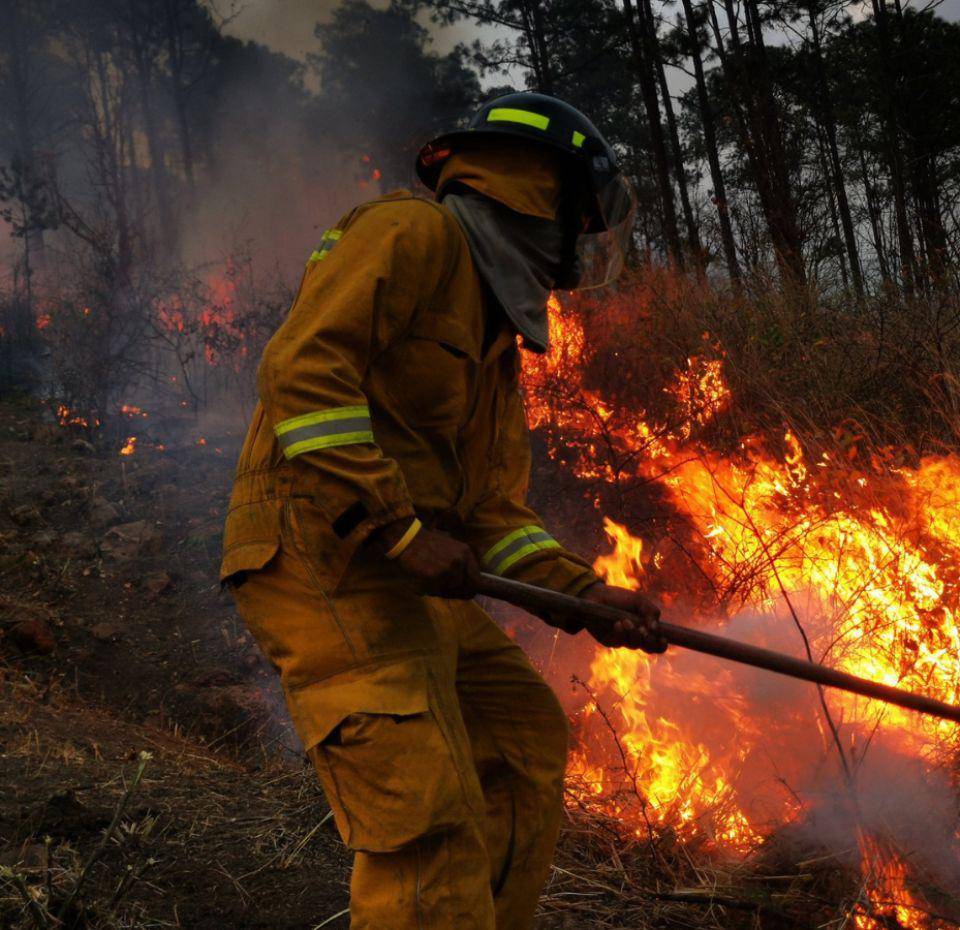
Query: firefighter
x=386, y=466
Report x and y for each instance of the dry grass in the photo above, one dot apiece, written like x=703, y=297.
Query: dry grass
x=887, y=367
x=201, y=842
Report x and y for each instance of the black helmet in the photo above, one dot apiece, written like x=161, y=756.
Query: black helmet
x=607, y=201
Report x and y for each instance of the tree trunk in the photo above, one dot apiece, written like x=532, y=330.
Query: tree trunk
x=908, y=261
x=175, y=54
x=710, y=142
x=831, y=202
x=640, y=46
x=873, y=210
x=151, y=130
x=929, y=215
x=829, y=122
x=533, y=27
x=784, y=213
x=756, y=145
x=19, y=56
x=676, y=150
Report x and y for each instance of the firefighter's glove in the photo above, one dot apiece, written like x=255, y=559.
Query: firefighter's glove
x=435, y=563
x=639, y=632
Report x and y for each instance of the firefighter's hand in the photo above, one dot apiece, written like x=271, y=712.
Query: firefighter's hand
x=436, y=563
x=639, y=632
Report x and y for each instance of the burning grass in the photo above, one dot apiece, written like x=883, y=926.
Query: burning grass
x=817, y=541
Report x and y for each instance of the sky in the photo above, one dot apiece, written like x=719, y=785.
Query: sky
x=287, y=25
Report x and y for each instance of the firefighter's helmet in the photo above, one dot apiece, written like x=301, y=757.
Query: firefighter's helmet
x=606, y=202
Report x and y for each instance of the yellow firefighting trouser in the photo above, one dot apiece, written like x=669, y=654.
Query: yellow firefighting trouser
x=441, y=750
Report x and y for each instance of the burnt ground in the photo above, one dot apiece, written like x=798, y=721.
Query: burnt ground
x=115, y=640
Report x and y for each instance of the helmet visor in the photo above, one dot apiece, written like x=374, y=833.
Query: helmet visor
x=601, y=254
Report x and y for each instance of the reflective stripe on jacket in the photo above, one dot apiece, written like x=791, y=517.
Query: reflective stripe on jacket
x=382, y=395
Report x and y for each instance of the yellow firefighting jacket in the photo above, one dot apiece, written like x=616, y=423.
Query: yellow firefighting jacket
x=390, y=391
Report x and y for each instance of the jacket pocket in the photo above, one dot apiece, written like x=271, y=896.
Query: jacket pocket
x=389, y=766
x=433, y=373
x=251, y=537
x=309, y=536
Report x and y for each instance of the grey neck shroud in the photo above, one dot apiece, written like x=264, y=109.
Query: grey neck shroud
x=518, y=256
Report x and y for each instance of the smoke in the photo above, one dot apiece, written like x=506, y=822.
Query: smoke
x=884, y=788
x=767, y=736
x=286, y=26
x=271, y=197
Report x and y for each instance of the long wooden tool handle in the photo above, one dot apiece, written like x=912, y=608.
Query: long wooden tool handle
x=531, y=597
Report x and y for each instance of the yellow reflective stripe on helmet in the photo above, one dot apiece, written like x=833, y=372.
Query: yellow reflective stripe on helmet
x=327, y=241
x=324, y=429
x=526, y=117
x=578, y=138
x=516, y=546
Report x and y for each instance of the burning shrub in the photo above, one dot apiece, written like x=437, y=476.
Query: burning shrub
x=783, y=519
x=166, y=349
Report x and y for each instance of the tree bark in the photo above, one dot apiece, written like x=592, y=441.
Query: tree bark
x=829, y=122
x=643, y=60
x=908, y=261
x=676, y=150
x=710, y=142
x=762, y=162
x=158, y=176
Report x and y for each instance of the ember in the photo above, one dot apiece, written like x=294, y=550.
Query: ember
x=67, y=417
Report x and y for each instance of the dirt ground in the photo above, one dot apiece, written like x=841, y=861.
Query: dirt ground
x=115, y=640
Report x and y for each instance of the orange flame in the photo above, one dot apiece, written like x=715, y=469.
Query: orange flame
x=865, y=563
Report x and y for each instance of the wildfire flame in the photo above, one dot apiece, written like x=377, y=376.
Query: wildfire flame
x=860, y=567
x=130, y=446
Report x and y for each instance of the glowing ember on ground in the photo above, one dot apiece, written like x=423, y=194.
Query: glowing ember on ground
x=861, y=568
x=130, y=446
x=67, y=417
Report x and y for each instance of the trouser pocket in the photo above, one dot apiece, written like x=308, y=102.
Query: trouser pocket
x=393, y=767
x=390, y=780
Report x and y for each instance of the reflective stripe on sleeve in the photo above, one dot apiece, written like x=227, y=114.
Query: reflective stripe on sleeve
x=327, y=241
x=516, y=545
x=324, y=429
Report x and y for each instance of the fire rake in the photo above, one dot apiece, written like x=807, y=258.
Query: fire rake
x=530, y=597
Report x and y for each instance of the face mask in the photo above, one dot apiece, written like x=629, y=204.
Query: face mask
x=521, y=258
